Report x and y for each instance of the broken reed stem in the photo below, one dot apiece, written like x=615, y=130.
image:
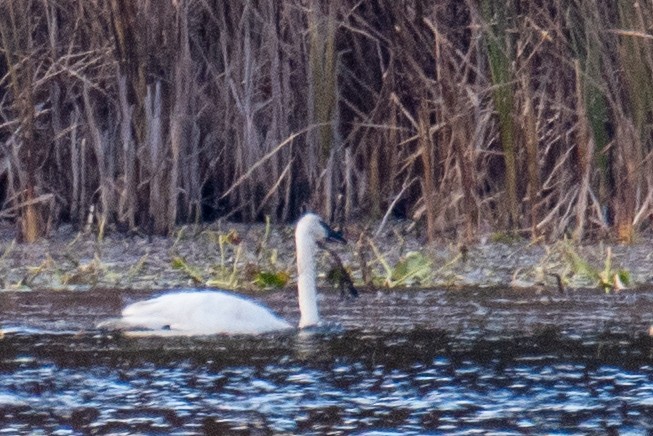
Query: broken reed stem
x=530, y=138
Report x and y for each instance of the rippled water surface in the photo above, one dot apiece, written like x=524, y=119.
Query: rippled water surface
x=409, y=362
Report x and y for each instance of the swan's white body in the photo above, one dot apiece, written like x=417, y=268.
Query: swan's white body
x=199, y=313
x=188, y=313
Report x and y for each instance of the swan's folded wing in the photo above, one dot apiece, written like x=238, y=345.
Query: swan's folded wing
x=178, y=311
x=190, y=313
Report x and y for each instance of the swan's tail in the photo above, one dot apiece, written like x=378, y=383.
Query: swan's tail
x=114, y=324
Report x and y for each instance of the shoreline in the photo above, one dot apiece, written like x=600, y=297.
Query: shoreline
x=233, y=256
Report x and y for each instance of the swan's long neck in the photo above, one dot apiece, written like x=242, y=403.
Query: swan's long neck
x=306, y=249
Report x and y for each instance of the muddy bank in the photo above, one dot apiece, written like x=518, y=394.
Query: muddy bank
x=229, y=255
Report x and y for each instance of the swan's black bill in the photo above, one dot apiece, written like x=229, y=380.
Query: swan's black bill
x=332, y=235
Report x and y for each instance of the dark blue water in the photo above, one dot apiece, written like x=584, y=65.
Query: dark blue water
x=394, y=363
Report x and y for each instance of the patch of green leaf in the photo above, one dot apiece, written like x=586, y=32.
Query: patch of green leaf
x=271, y=279
x=412, y=269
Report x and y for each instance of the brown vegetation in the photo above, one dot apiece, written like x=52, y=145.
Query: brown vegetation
x=527, y=116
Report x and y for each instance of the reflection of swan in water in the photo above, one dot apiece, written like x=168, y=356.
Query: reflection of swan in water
x=314, y=342
x=189, y=312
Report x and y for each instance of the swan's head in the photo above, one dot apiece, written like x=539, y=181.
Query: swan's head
x=312, y=227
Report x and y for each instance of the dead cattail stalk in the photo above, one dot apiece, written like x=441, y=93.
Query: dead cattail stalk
x=99, y=145
x=156, y=162
x=323, y=96
x=499, y=52
x=585, y=149
x=179, y=119
x=427, y=182
x=529, y=123
x=128, y=197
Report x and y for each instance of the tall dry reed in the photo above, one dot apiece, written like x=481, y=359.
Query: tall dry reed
x=465, y=116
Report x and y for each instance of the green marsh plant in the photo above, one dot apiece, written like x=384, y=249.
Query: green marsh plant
x=414, y=268
x=607, y=278
x=267, y=272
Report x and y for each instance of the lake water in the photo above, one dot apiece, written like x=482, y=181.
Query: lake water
x=402, y=362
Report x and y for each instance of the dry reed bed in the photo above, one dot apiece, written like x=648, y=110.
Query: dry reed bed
x=465, y=116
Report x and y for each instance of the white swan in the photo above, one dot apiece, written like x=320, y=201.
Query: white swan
x=188, y=313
